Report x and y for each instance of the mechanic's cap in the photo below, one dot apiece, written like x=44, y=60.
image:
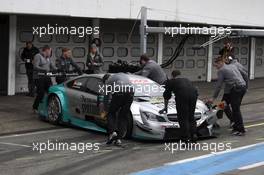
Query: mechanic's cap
x=105, y=77
x=93, y=46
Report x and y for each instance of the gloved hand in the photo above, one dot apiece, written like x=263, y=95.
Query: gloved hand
x=163, y=111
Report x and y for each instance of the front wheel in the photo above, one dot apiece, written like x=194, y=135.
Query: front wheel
x=54, y=110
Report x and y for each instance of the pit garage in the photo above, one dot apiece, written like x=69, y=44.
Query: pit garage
x=79, y=45
x=23, y=135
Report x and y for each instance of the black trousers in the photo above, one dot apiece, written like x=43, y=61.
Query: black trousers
x=31, y=83
x=185, y=106
x=227, y=109
x=236, y=97
x=43, y=85
x=118, y=111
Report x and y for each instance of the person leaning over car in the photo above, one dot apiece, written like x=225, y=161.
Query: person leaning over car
x=27, y=56
x=94, y=60
x=186, y=97
x=151, y=70
x=64, y=64
x=235, y=86
x=121, y=101
x=42, y=64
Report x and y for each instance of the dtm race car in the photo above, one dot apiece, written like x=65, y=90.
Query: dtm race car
x=76, y=102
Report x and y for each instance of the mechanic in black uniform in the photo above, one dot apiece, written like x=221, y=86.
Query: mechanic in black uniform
x=64, y=64
x=42, y=64
x=27, y=56
x=121, y=101
x=185, y=96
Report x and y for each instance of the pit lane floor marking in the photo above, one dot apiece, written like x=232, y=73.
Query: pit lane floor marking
x=254, y=125
x=255, y=165
x=212, y=164
x=35, y=133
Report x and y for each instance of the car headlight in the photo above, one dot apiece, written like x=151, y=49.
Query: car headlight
x=152, y=117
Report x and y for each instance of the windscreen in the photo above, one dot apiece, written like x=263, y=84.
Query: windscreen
x=144, y=87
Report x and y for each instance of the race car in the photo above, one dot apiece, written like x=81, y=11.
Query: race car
x=76, y=102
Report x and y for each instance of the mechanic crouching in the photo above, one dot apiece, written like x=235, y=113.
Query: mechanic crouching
x=42, y=64
x=64, y=64
x=185, y=96
x=122, y=97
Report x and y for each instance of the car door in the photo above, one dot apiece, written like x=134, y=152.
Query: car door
x=83, y=96
x=75, y=91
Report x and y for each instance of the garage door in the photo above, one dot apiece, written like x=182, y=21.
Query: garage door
x=259, y=59
x=116, y=44
x=192, y=63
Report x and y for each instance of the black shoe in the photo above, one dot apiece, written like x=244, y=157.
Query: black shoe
x=111, y=138
x=35, y=111
x=118, y=142
x=216, y=125
x=238, y=133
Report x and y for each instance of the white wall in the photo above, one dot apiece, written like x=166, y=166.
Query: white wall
x=235, y=12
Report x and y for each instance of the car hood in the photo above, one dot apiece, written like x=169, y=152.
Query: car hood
x=155, y=104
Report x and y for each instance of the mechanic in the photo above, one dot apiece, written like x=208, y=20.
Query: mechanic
x=228, y=53
x=42, y=64
x=64, y=64
x=235, y=86
x=185, y=96
x=94, y=60
x=121, y=101
x=27, y=56
x=151, y=70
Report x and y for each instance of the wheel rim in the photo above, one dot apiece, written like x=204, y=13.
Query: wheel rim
x=54, y=109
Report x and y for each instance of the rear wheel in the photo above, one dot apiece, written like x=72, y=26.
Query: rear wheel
x=54, y=110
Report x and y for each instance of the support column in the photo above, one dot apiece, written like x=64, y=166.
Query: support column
x=160, y=45
x=12, y=55
x=252, y=58
x=96, y=23
x=209, y=63
x=143, y=34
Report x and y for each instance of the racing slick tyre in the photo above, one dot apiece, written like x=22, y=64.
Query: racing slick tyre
x=54, y=110
x=127, y=126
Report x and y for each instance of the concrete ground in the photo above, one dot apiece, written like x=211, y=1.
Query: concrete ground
x=22, y=135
